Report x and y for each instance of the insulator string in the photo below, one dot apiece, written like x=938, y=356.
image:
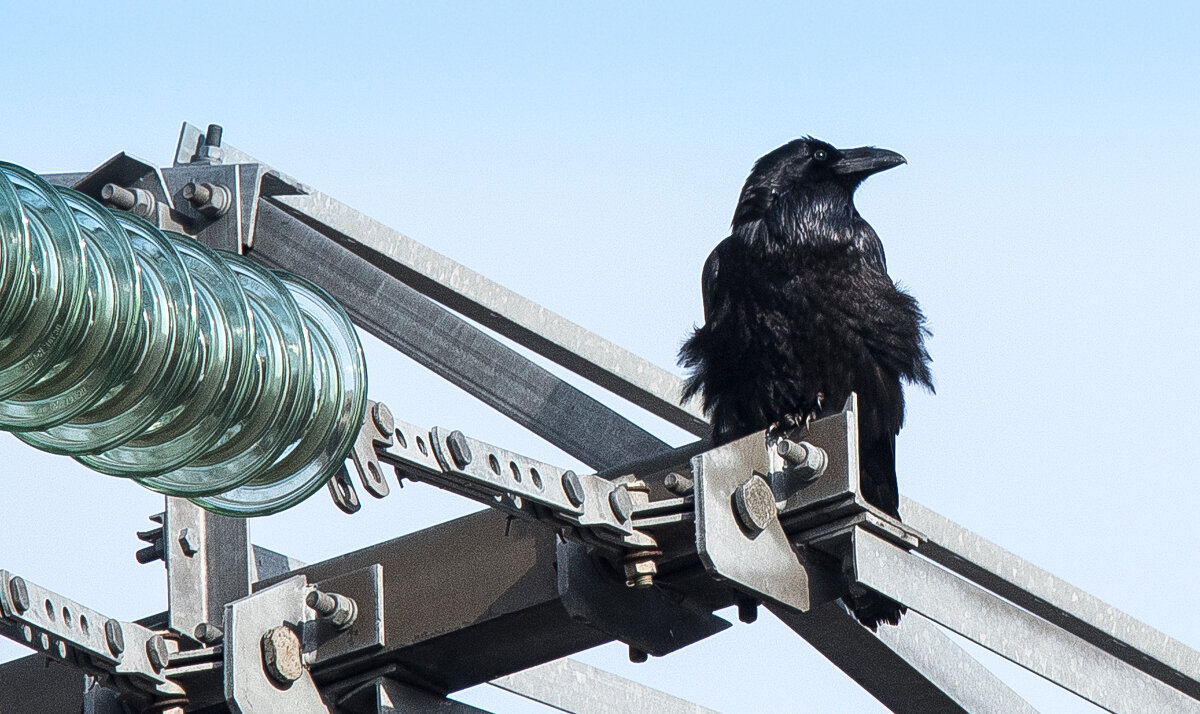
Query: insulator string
x=144, y=354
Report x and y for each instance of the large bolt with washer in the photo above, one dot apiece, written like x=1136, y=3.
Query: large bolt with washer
x=138, y=201
x=211, y=200
x=339, y=610
x=805, y=462
x=573, y=487
x=754, y=505
x=281, y=655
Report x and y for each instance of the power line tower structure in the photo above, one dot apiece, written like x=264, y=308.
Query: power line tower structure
x=643, y=550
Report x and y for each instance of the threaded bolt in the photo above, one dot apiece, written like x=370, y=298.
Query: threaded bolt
x=118, y=196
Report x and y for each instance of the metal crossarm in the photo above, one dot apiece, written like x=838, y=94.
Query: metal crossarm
x=642, y=550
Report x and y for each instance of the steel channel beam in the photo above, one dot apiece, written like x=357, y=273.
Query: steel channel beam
x=578, y=688
x=500, y=309
x=911, y=669
x=466, y=601
x=39, y=685
x=1054, y=600
x=1011, y=632
x=458, y=351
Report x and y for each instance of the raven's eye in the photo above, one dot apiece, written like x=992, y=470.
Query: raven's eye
x=820, y=155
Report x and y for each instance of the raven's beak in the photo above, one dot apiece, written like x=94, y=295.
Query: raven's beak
x=866, y=160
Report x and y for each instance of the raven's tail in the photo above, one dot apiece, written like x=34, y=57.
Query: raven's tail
x=873, y=609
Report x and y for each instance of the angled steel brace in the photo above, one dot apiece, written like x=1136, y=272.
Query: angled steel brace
x=1087, y=617
x=1010, y=632
x=572, y=686
x=911, y=669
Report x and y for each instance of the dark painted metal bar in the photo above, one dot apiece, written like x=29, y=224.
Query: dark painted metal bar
x=452, y=347
x=467, y=601
x=495, y=306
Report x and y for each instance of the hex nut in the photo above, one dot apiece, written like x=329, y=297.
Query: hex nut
x=281, y=655
x=339, y=610
x=806, y=462
x=640, y=572
x=188, y=542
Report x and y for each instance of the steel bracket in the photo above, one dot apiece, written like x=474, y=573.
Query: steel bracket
x=762, y=564
x=209, y=564
x=324, y=642
x=77, y=635
x=249, y=688
x=644, y=618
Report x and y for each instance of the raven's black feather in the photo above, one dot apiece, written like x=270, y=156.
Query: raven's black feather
x=799, y=311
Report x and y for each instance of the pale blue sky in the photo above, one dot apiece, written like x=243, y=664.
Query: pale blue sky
x=589, y=158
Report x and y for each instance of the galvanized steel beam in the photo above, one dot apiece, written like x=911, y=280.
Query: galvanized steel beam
x=1054, y=600
x=578, y=688
x=1011, y=632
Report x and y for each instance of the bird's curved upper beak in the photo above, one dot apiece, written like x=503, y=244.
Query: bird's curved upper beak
x=866, y=160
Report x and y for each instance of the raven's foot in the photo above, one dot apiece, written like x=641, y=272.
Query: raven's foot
x=788, y=422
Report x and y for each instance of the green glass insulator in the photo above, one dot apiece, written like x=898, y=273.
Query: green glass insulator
x=146, y=355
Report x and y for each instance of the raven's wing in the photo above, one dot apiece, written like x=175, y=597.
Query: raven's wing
x=892, y=328
x=712, y=290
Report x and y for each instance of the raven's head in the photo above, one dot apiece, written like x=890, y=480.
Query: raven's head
x=808, y=166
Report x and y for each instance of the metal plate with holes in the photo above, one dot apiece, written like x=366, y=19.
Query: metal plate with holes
x=521, y=476
x=248, y=687
x=59, y=627
x=765, y=565
x=410, y=453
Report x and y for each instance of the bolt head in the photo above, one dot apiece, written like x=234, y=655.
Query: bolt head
x=754, y=505
x=382, y=416
x=621, y=503
x=20, y=594
x=189, y=543
x=157, y=652
x=573, y=487
x=114, y=637
x=281, y=655
x=460, y=451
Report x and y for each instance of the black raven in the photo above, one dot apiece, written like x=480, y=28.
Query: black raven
x=799, y=311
